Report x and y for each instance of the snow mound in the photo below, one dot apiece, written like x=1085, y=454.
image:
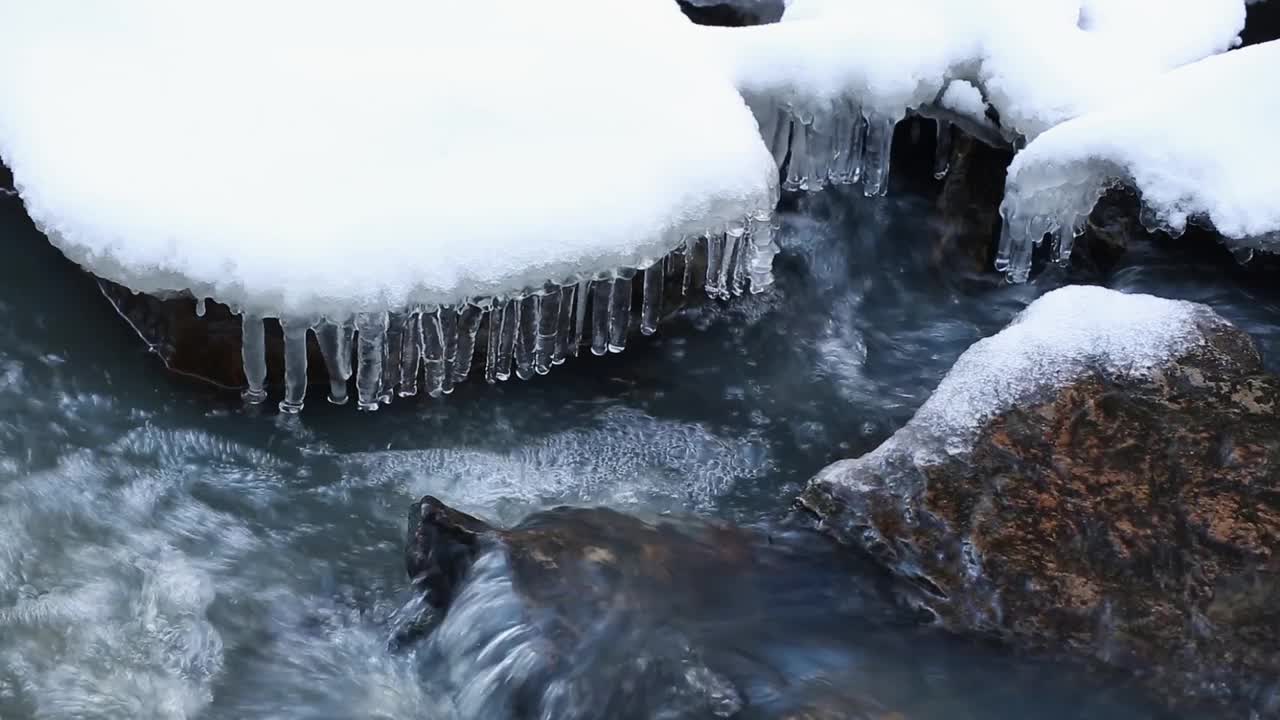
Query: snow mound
x=1056, y=340
x=1199, y=142
x=306, y=158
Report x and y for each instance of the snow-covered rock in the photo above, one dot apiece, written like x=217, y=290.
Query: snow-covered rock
x=1061, y=337
x=306, y=158
x=1099, y=478
x=835, y=68
x=1198, y=142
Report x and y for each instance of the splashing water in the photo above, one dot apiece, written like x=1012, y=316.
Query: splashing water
x=162, y=556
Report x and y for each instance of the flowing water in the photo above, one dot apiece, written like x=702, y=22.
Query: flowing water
x=165, y=555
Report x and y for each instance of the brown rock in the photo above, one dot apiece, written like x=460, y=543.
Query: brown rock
x=1133, y=518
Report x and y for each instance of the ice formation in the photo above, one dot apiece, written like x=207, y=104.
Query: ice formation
x=1199, y=143
x=1054, y=341
x=413, y=171
x=830, y=80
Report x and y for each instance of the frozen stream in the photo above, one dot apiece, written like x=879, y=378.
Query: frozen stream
x=164, y=556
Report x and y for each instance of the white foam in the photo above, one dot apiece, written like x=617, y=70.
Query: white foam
x=307, y=157
x=1056, y=340
x=1199, y=141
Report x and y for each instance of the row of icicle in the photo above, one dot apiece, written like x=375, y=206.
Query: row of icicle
x=839, y=144
x=844, y=144
x=433, y=348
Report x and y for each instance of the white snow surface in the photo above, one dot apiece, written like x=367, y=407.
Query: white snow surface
x=296, y=157
x=1199, y=141
x=1038, y=62
x=1056, y=340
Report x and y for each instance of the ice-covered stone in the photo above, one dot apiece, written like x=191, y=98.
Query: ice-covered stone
x=1198, y=143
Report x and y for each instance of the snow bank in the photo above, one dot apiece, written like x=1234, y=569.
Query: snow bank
x=300, y=158
x=1055, y=341
x=1198, y=142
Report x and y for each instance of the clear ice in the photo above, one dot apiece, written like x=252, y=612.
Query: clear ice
x=430, y=349
x=841, y=143
x=1059, y=213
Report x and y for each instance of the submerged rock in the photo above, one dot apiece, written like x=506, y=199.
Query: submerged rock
x=618, y=616
x=1104, y=476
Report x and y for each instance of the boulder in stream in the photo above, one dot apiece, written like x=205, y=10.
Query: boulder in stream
x=588, y=613
x=1103, y=476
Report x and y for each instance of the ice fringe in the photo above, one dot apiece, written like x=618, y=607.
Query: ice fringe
x=432, y=348
x=1213, y=161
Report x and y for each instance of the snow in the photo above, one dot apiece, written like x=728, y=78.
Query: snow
x=299, y=158
x=964, y=97
x=1056, y=340
x=1199, y=141
x=1038, y=63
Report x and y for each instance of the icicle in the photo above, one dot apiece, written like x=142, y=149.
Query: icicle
x=470, y=314
x=449, y=330
x=686, y=278
x=253, y=352
x=778, y=140
x=818, y=144
x=492, y=352
x=942, y=151
x=857, y=146
x=433, y=351
x=847, y=144
x=295, y=364
x=527, y=340
x=1004, y=251
x=651, y=306
x=335, y=345
x=841, y=142
x=564, y=325
x=410, y=355
x=370, y=349
x=762, y=251
x=601, y=301
x=620, y=311
x=734, y=251
x=1065, y=241
x=715, y=267
x=507, y=338
x=391, y=357
x=875, y=181
x=1023, y=245
x=200, y=307
x=581, y=297
x=548, y=328
x=798, y=165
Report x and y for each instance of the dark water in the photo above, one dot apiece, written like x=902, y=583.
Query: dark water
x=162, y=555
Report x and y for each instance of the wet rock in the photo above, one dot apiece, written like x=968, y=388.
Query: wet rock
x=7, y=189
x=733, y=13
x=1262, y=23
x=1068, y=488
x=627, y=617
